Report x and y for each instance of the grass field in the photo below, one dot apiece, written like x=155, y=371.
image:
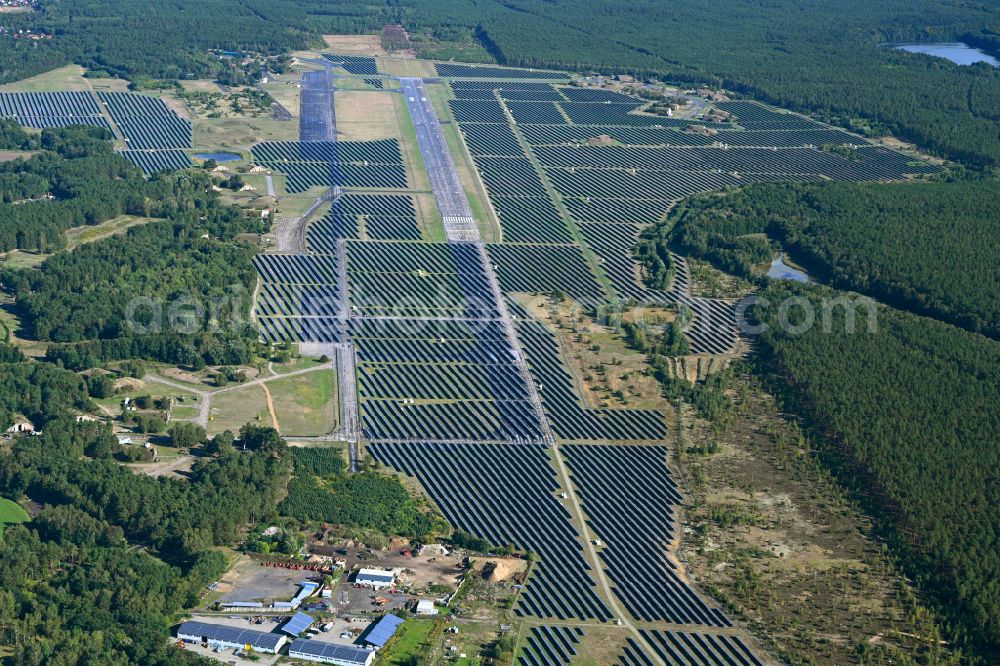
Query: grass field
x=19, y=259
x=365, y=115
x=305, y=404
x=232, y=409
x=81, y=235
x=406, y=67
x=359, y=45
x=9, y=155
x=148, y=387
x=241, y=133
x=11, y=513
x=413, y=635
x=65, y=78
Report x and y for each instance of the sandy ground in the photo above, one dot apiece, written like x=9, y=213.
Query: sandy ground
x=359, y=45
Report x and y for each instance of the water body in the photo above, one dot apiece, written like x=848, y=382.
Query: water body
x=218, y=157
x=957, y=52
x=779, y=270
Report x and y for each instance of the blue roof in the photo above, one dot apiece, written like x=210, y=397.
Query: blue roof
x=379, y=633
x=259, y=640
x=342, y=653
x=297, y=624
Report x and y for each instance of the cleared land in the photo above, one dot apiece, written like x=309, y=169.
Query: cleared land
x=781, y=546
x=305, y=404
x=240, y=133
x=366, y=115
x=607, y=373
x=81, y=235
x=11, y=513
x=232, y=409
x=359, y=45
x=62, y=79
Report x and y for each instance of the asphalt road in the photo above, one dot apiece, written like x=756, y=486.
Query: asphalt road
x=458, y=221
x=317, y=121
x=459, y=225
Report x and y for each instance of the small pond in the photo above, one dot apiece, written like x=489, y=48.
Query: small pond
x=779, y=270
x=957, y=52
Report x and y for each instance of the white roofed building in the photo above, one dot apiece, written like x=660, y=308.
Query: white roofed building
x=375, y=578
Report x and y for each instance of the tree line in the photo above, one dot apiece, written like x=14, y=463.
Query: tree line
x=928, y=247
x=906, y=415
x=175, y=289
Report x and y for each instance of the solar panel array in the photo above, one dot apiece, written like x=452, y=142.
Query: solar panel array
x=299, y=298
x=548, y=645
x=147, y=123
x=365, y=216
x=433, y=361
x=152, y=161
x=631, y=500
x=569, y=418
x=452, y=70
x=297, y=624
x=318, y=650
x=612, y=165
x=354, y=64
x=156, y=136
x=383, y=629
x=507, y=495
x=259, y=640
x=690, y=648
x=52, y=109
x=354, y=164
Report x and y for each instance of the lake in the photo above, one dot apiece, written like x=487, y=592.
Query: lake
x=779, y=270
x=218, y=157
x=957, y=52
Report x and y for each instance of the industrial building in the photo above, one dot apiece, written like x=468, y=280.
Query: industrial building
x=379, y=633
x=375, y=578
x=330, y=653
x=297, y=624
x=226, y=637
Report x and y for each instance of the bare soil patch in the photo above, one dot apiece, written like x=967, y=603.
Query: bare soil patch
x=782, y=548
x=360, y=45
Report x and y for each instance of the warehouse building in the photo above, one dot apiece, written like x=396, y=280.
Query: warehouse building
x=330, y=653
x=222, y=636
x=375, y=578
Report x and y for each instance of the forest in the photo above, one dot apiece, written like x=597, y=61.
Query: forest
x=72, y=587
x=156, y=39
x=89, y=183
x=927, y=247
x=175, y=289
x=323, y=491
x=826, y=59
x=906, y=415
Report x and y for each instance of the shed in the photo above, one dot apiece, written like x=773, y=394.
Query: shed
x=379, y=633
x=297, y=624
